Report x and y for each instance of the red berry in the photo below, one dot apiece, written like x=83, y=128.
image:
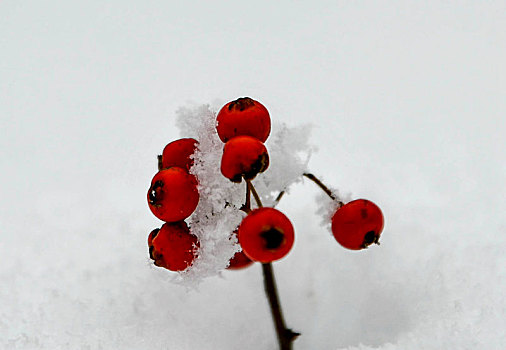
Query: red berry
x=357, y=224
x=173, y=246
x=173, y=194
x=152, y=235
x=266, y=234
x=243, y=116
x=243, y=156
x=239, y=261
x=178, y=153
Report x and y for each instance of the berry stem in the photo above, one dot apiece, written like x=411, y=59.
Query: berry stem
x=285, y=335
x=323, y=187
x=247, y=205
x=278, y=198
x=159, y=158
x=255, y=193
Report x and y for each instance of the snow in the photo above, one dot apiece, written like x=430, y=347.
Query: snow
x=406, y=103
x=218, y=213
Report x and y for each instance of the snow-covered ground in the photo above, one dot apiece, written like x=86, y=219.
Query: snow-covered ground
x=407, y=102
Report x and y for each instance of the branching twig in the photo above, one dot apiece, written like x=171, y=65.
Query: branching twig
x=255, y=194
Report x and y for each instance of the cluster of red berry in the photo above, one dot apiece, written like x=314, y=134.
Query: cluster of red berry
x=172, y=197
x=265, y=234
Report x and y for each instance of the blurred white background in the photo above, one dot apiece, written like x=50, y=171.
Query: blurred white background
x=408, y=100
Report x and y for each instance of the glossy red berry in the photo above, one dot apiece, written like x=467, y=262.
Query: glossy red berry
x=179, y=153
x=357, y=224
x=173, y=194
x=243, y=156
x=243, y=116
x=266, y=235
x=173, y=246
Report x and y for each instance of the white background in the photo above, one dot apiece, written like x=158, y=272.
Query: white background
x=408, y=103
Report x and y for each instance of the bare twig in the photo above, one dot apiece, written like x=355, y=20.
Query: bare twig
x=323, y=187
x=285, y=335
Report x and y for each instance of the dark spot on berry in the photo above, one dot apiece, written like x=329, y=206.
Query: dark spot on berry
x=157, y=258
x=151, y=252
x=237, y=178
x=241, y=104
x=273, y=238
x=156, y=193
x=258, y=166
x=363, y=213
x=369, y=238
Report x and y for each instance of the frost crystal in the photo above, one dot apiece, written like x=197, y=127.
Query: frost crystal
x=218, y=213
x=327, y=206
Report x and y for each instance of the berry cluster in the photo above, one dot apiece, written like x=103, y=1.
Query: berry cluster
x=265, y=234
x=172, y=197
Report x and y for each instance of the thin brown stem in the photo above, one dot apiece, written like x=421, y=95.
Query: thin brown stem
x=247, y=205
x=323, y=187
x=255, y=193
x=285, y=335
x=278, y=198
x=159, y=158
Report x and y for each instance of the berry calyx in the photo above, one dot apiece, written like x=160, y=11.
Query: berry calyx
x=173, y=194
x=243, y=116
x=173, y=246
x=266, y=235
x=244, y=156
x=357, y=224
x=178, y=153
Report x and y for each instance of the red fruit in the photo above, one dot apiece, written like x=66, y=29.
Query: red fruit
x=173, y=246
x=243, y=116
x=152, y=235
x=173, y=195
x=357, y=224
x=243, y=156
x=178, y=153
x=266, y=234
x=239, y=261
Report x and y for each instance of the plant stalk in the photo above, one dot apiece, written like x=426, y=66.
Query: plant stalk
x=323, y=187
x=285, y=335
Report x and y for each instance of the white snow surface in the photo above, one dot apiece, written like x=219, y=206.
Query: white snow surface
x=406, y=100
